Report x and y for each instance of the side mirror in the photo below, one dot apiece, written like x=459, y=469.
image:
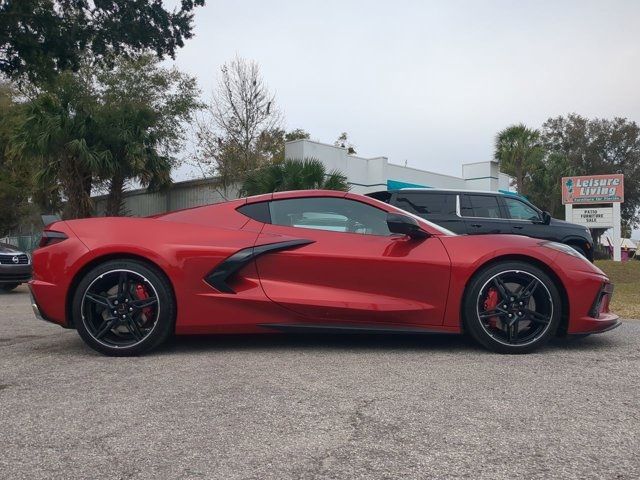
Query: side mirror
x=405, y=225
x=544, y=220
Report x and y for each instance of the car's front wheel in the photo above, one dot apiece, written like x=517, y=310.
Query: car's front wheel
x=512, y=307
x=123, y=307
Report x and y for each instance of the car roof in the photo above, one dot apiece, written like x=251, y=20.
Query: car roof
x=451, y=190
x=265, y=197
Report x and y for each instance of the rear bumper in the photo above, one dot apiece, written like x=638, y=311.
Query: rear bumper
x=43, y=293
x=37, y=311
x=15, y=273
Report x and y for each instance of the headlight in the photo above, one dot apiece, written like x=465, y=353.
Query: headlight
x=561, y=247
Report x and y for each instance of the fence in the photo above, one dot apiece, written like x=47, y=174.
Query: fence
x=26, y=243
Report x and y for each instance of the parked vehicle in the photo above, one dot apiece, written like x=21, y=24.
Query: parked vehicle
x=311, y=261
x=479, y=212
x=15, y=267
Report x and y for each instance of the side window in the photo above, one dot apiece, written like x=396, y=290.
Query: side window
x=333, y=214
x=465, y=206
x=258, y=211
x=427, y=203
x=520, y=210
x=484, y=206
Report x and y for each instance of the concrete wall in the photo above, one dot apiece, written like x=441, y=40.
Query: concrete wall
x=372, y=174
x=363, y=174
x=193, y=193
x=481, y=175
x=409, y=175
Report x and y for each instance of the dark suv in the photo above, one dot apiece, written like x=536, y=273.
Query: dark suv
x=487, y=212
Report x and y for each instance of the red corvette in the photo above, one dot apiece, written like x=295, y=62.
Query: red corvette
x=308, y=261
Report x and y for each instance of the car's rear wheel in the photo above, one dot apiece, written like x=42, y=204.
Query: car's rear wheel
x=123, y=307
x=7, y=287
x=512, y=307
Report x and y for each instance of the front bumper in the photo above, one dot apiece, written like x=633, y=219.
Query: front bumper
x=599, y=318
x=15, y=273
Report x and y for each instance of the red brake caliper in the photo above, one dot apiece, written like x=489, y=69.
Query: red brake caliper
x=141, y=293
x=490, y=303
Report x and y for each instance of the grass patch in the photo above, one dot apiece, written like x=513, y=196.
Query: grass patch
x=626, y=277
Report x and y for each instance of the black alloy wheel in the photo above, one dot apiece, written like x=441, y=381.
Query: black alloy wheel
x=512, y=307
x=123, y=308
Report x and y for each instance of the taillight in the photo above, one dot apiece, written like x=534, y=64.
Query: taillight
x=50, y=237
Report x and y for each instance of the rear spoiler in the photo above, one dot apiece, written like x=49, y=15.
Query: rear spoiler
x=49, y=219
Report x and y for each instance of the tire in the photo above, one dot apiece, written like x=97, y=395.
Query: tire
x=7, y=287
x=579, y=249
x=517, y=323
x=123, y=308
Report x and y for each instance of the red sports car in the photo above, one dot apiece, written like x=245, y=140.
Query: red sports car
x=308, y=261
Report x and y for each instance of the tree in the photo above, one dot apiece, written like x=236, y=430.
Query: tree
x=518, y=150
x=143, y=112
x=293, y=174
x=599, y=146
x=15, y=184
x=231, y=137
x=544, y=183
x=271, y=143
x=59, y=137
x=343, y=142
x=40, y=38
x=296, y=134
x=92, y=128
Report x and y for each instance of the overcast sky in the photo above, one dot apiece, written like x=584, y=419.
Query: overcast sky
x=427, y=82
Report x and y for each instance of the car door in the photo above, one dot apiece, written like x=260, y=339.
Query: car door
x=524, y=219
x=437, y=207
x=351, y=268
x=483, y=214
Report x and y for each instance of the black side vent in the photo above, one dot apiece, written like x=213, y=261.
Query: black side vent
x=218, y=277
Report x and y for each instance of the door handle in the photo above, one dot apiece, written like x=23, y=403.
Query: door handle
x=518, y=227
x=476, y=225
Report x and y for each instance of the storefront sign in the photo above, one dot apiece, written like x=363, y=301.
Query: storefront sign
x=593, y=217
x=593, y=189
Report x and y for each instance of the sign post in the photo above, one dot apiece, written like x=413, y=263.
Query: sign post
x=595, y=189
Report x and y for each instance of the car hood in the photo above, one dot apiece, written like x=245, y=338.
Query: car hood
x=6, y=248
x=565, y=224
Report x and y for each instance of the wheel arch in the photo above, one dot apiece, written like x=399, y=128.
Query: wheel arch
x=574, y=239
x=94, y=262
x=564, y=320
x=581, y=243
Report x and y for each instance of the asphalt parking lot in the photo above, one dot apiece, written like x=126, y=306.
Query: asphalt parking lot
x=277, y=407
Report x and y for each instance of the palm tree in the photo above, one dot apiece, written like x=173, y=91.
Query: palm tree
x=126, y=131
x=144, y=110
x=58, y=135
x=518, y=149
x=293, y=174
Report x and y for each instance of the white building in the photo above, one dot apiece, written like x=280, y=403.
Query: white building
x=372, y=174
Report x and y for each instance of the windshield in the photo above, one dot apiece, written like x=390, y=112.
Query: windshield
x=444, y=231
x=420, y=220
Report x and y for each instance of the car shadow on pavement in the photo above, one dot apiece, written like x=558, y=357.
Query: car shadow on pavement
x=319, y=341
x=364, y=342
x=71, y=344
